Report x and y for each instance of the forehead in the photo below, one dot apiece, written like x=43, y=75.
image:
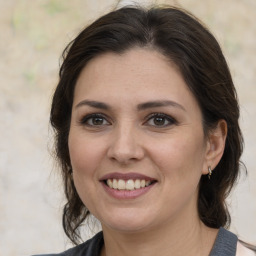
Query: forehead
x=134, y=64
x=139, y=74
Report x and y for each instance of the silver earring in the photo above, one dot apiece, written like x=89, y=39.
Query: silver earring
x=209, y=172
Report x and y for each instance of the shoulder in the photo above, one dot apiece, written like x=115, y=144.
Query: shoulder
x=91, y=247
x=225, y=244
x=241, y=250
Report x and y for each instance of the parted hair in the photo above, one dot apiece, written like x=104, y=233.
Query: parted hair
x=187, y=43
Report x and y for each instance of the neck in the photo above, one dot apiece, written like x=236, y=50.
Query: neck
x=174, y=238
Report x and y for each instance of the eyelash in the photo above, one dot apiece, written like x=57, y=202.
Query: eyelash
x=85, y=119
x=171, y=121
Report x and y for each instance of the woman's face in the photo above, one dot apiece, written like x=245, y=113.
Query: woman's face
x=136, y=141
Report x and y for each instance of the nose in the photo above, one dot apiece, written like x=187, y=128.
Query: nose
x=125, y=146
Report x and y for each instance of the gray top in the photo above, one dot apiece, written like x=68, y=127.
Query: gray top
x=225, y=245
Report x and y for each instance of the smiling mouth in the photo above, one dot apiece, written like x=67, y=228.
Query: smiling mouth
x=129, y=185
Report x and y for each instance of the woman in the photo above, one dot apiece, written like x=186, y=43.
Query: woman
x=147, y=135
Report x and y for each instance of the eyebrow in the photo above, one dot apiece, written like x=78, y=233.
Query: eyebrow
x=94, y=104
x=159, y=103
x=140, y=107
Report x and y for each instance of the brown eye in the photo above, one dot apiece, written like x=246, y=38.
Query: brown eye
x=160, y=120
x=95, y=120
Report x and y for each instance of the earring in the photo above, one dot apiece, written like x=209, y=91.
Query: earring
x=209, y=172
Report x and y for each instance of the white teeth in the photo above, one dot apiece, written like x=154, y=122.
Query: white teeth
x=137, y=184
x=127, y=185
x=121, y=184
x=115, y=184
x=110, y=183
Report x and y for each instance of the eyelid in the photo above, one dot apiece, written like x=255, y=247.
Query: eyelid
x=86, y=117
x=169, y=118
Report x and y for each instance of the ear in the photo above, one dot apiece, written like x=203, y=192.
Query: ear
x=215, y=146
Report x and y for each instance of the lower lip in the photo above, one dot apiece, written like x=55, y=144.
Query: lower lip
x=127, y=194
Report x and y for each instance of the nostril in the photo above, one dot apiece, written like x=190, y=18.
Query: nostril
x=124, y=146
x=125, y=155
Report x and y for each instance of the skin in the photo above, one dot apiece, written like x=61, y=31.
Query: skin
x=124, y=138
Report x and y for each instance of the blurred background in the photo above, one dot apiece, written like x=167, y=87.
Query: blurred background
x=33, y=35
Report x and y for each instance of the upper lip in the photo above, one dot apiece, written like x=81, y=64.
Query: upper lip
x=126, y=176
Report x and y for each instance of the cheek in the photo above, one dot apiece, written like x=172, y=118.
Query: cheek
x=84, y=155
x=180, y=156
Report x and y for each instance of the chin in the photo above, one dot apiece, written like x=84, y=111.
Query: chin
x=132, y=223
x=126, y=227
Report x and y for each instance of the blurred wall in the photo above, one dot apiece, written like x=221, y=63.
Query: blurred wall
x=33, y=35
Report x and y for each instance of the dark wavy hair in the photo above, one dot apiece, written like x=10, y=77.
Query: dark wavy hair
x=183, y=39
